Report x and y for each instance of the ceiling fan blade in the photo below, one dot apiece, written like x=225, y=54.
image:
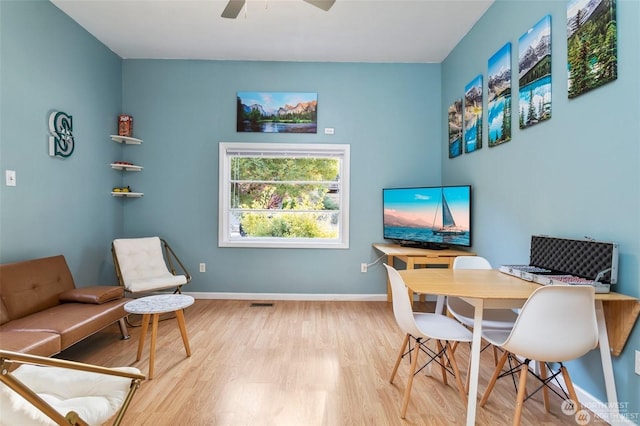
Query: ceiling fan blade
x=322, y=4
x=233, y=9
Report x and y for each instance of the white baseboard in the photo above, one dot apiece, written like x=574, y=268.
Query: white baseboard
x=290, y=296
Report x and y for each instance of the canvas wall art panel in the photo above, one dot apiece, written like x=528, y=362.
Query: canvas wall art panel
x=534, y=74
x=455, y=128
x=499, y=97
x=473, y=115
x=592, y=53
x=277, y=112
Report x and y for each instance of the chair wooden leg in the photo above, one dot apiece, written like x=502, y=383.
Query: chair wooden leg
x=492, y=382
x=454, y=346
x=443, y=360
x=545, y=390
x=412, y=372
x=405, y=342
x=456, y=371
x=570, y=388
x=495, y=355
x=524, y=370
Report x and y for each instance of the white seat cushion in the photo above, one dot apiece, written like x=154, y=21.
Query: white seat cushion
x=491, y=318
x=95, y=397
x=142, y=265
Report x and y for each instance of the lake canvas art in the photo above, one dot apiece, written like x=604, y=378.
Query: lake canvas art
x=592, y=55
x=473, y=115
x=499, y=96
x=455, y=128
x=534, y=74
x=277, y=112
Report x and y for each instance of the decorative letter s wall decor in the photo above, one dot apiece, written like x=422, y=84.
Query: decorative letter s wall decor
x=61, y=140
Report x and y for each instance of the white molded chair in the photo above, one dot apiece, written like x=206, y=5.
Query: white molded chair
x=464, y=312
x=36, y=390
x=556, y=324
x=419, y=328
x=501, y=319
x=141, y=266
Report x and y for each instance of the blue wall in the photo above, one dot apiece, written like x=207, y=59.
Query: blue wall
x=576, y=175
x=59, y=206
x=388, y=113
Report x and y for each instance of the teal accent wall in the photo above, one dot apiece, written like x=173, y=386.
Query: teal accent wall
x=576, y=175
x=59, y=206
x=388, y=113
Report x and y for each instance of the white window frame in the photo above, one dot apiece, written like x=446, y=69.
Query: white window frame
x=228, y=149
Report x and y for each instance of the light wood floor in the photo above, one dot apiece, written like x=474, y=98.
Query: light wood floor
x=295, y=363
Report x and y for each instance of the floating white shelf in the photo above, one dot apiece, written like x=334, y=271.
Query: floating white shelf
x=127, y=194
x=123, y=166
x=126, y=167
x=126, y=140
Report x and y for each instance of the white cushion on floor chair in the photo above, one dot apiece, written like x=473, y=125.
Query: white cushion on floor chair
x=94, y=397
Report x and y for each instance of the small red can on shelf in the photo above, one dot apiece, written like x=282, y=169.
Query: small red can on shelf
x=125, y=125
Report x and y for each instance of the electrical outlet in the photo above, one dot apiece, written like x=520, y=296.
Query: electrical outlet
x=638, y=363
x=203, y=267
x=363, y=267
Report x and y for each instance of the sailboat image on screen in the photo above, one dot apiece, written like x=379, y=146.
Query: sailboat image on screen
x=449, y=226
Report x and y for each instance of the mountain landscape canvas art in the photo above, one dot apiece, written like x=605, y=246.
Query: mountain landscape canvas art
x=534, y=74
x=499, y=96
x=473, y=115
x=277, y=112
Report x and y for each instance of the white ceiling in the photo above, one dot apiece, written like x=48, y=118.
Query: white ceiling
x=419, y=31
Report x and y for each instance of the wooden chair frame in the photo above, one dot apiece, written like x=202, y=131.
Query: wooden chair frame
x=11, y=360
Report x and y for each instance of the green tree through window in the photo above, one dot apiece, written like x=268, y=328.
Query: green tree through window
x=282, y=194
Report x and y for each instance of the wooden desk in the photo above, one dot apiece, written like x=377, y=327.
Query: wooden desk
x=491, y=289
x=413, y=257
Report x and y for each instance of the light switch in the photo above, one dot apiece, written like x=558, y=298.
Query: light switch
x=10, y=176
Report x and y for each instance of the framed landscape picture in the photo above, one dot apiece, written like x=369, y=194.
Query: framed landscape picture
x=499, y=96
x=473, y=115
x=592, y=53
x=277, y=112
x=534, y=71
x=455, y=128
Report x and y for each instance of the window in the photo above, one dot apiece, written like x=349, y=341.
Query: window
x=284, y=195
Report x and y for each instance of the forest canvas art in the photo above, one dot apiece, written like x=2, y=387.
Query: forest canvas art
x=592, y=56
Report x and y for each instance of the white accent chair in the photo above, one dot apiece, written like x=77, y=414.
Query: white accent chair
x=420, y=328
x=501, y=319
x=464, y=312
x=141, y=266
x=556, y=324
x=36, y=390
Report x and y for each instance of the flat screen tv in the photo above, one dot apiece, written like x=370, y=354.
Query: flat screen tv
x=434, y=217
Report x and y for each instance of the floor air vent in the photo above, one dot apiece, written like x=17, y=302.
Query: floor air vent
x=261, y=304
